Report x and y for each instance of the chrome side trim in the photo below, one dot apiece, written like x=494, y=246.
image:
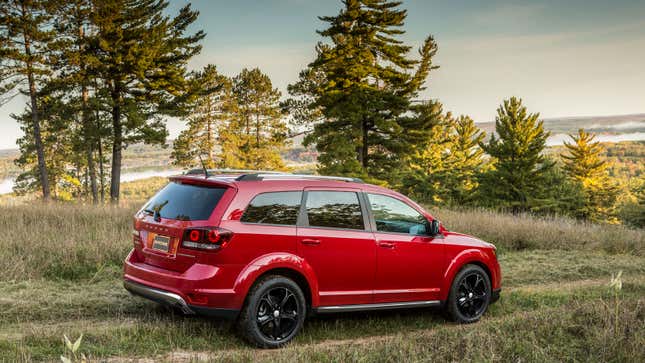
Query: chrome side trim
x=378, y=306
x=160, y=296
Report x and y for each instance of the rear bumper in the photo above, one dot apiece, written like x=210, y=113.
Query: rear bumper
x=174, y=300
x=203, y=288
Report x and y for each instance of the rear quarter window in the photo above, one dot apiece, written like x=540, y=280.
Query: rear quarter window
x=185, y=202
x=274, y=208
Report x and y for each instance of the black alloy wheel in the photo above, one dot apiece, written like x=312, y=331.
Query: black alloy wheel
x=469, y=295
x=274, y=312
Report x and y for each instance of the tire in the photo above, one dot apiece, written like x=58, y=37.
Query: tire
x=274, y=312
x=469, y=296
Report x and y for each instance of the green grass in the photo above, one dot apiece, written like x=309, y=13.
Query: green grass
x=61, y=274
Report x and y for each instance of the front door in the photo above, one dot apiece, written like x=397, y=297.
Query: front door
x=409, y=262
x=334, y=240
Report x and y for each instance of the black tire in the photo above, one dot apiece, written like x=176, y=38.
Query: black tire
x=274, y=312
x=469, y=296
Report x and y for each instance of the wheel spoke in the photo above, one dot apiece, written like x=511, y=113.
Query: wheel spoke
x=276, y=328
x=264, y=319
x=287, y=295
x=289, y=315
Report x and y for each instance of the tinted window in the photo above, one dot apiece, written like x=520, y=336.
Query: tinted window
x=334, y=209
x=185, y=202
x=274, y=208
x=393, y=215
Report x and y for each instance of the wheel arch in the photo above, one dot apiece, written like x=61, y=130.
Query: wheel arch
x=284, y=264
x=466, y=257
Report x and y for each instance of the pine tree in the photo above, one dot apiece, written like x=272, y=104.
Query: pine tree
x=464, y=161
x=209, y=115
x=75, y=60
x=142, y=56
x=584, y=163
x=256, y=132
x=447, y=158
x=425, y=174
x=363, y=82
x=519, y=165
x=25, y=32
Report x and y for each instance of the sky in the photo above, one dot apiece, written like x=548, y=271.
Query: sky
x=563, y=58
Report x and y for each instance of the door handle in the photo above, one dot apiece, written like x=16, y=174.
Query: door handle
x=311, y=242
x=386, y=244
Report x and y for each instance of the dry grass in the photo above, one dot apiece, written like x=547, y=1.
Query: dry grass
x=61, y=274
x=520, y=232
x=62, y=241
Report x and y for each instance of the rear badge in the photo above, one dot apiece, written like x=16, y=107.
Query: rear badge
x=161, y=243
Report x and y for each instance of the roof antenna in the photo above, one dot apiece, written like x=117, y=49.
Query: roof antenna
x=203, y=166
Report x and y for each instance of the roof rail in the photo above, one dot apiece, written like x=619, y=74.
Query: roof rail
x=215, y=172
x=262, y=176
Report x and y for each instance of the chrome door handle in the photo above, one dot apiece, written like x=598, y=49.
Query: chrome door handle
x=311, y=242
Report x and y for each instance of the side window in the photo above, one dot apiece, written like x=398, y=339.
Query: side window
x=274, y=208
x=334, y=209
x=393, y=215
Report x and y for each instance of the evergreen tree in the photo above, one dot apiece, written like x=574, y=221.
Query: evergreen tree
x=209, y=115
x=464, y=161
x=25, y=32
x=519, y=165
x=426, y=166
x=447, y=159
x=142, y=56
x=256, y=132
x=58, y=135
x=75, y=60
x=585, y=164
x=362, y=83
x=632, y=212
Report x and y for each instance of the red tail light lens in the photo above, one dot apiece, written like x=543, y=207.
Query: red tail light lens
x=206, y=238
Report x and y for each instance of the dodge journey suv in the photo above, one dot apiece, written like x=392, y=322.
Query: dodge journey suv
x=270, y=249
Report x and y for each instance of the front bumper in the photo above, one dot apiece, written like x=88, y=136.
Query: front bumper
x=173, y=300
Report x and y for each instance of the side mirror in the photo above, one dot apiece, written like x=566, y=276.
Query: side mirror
x=434, y=227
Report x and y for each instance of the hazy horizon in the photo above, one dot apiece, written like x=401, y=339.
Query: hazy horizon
x=573, y=59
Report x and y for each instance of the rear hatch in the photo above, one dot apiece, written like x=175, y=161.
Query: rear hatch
x=180, y=205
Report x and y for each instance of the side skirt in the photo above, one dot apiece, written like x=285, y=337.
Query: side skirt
x=377, y=306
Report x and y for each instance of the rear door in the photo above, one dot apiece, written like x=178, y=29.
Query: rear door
x=334, y=239
x=162, y=220
x=409, y=262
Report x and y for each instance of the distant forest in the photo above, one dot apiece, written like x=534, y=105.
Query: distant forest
x=99, y=76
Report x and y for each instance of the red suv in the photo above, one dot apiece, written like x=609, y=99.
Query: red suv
x=271, y=249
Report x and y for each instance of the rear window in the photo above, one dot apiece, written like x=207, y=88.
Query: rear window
x=334, y=209
x=274, y=208
x=185, y=202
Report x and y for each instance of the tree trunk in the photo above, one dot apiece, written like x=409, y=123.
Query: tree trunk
x=89, y=145
x=35, y=117
x=117, y=145
x=364, y=147
x=101, y=170
x=86, y=120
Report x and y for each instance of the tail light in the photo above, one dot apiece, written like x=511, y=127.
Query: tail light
x=206, y=238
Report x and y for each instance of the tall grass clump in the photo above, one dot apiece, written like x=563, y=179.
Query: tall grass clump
x=62, y=241
x=524, y=231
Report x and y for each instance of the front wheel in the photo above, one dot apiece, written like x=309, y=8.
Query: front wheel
x=274, y=312
x=470, y=295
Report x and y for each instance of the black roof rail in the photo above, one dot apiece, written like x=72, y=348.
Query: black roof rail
x=262, y=176
x=215, y=172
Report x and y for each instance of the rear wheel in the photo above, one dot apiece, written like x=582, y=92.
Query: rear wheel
x=469, y=295
x=274, y=312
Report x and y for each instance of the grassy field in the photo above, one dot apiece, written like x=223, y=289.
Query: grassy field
x=61, y=275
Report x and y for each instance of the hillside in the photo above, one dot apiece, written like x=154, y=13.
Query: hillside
x=556, y=304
